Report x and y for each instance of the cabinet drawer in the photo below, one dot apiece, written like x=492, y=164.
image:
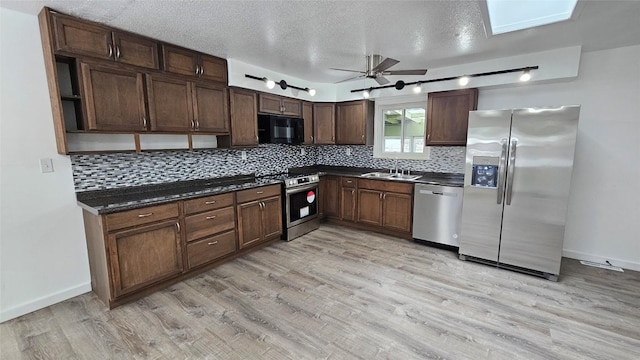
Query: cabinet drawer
x=141, y=216
x=209, y=223
x=386, y=185
x=257, y=193
x=211, y=248
x=349, y=182
x=208, y=203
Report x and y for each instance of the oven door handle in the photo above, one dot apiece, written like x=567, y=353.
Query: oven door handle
x=300, y=189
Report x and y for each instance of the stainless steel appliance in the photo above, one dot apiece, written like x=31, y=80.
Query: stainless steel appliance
x=516, y=187
x=274, y=129
x=300, y=214
x=437, y=212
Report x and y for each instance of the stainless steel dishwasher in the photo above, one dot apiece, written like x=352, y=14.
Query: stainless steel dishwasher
x=437, y=213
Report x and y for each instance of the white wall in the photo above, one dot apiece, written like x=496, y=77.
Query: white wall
x=604, y=205
x=43, y=256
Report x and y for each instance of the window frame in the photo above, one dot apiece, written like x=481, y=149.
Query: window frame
x=378, y=129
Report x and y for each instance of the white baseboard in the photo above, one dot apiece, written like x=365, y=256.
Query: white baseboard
x=37, y=304
x=629, y=265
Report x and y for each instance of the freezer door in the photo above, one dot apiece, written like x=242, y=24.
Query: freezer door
x=537, y=191
x=487, y=143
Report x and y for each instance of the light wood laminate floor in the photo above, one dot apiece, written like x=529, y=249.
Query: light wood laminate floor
x=339, y=293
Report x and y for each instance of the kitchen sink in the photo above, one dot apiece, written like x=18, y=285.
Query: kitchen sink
x=404, y=177
x=380, y=175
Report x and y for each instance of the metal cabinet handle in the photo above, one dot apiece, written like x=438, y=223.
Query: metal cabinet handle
x=145, y=215
x=212, y=243
x=201, y=70
x=209, y=202
x=256, y=138
x=211, y=217
x=384, y=196
x=380, y=196
x=197, y=124
x=353, y=192
x=501, y=171
x=349, y=181
x=311, y=137
x=362, y=137
x=110, y=50
x=117, y=52
x=197, y=69
x=512, y=165
x=193, y=124
x=144, y=122
x=178, y=226
x=259, y=192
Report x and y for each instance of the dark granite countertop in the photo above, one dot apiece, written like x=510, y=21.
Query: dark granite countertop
x=432, y=178
x=113, y=200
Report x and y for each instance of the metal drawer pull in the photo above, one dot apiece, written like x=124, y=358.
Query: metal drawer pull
x=178, y=226
x=209, y=202
x=212, y=243
x=145, y=215
x=110, y=51
x=349, y=181
x=259, y=192
x=211, y=217
x=117, y=52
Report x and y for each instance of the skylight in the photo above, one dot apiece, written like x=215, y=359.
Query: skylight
x=512, y=15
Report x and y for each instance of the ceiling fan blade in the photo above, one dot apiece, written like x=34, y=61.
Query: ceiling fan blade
x=385, y=64
x=357, y=71
x=381, y=80
x=349, y=79
x=407, y=72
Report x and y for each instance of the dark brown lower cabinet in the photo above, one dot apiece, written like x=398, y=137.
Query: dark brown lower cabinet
x=331, y=196
x=144, y=255
x=348, y=204
x=370, y=207
x=259, y=215
x=397, y=211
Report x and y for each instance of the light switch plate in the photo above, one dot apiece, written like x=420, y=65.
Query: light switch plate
x=46, y=165
x=244, y=155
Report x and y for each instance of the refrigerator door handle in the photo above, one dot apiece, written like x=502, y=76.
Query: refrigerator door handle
x=501, y=171
x=512, y=167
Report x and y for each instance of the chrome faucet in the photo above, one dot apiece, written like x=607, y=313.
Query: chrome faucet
x=396, y=165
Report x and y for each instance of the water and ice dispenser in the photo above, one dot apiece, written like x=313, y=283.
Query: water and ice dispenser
x=485, y=171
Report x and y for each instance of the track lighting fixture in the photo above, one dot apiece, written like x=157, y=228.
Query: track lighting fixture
x=417, y=89
x=283, y=84
x=366, y=94
x=462, y=80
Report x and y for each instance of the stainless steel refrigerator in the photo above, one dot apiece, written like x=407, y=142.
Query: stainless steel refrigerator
x=516, y=187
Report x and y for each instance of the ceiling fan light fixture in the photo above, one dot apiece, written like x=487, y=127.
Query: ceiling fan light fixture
x=525, y=76
x=463, y=80
x=270, y=83
x=418, y=88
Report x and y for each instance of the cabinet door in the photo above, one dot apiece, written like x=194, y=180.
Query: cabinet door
x=210, y=107
x=351, y=123
x=331, y=196
x=250, y=229
x=179, y=61
x=396, y=211
x=114, y=98
x=135, y=50
x=348, y=204
x=272, y=217
x=307, y=115
x=271, y=104
x=213, y=68
x=291, y=107
x=170, y=103
x=324, y=123
x=448, y=116
x=370, y=207
x=144, y=255
x=244, y=118
x=82, y=38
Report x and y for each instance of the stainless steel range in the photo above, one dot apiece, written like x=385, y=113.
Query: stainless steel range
x=300, y=213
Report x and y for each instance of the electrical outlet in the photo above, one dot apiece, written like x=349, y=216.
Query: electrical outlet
x=303, y=151
x=348, y=151
x=46, y=165
x=244, y=155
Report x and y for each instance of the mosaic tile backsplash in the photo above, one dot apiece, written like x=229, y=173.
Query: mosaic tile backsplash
x=112, y=171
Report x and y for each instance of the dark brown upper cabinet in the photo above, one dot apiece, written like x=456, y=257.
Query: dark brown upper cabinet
x=244, y=113
x=183, y=61
x=77, y=37
x=324, y=120
x=114, y=98
x=448, y=116
x=178, y=105
x=307, y=115
x=279, y=105
x=354, y=122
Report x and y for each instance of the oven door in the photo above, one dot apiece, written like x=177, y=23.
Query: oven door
x=302, y=204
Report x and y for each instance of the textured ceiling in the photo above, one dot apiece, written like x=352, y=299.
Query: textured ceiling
x=306, y=38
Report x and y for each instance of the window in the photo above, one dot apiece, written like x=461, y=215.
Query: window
x=400, y=131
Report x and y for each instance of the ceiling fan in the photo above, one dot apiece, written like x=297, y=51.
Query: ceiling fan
x=376, y=68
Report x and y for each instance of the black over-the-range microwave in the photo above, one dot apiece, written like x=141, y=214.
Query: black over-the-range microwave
x=273, y=129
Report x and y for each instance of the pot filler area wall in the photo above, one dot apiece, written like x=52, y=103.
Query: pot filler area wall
x=111, y=171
